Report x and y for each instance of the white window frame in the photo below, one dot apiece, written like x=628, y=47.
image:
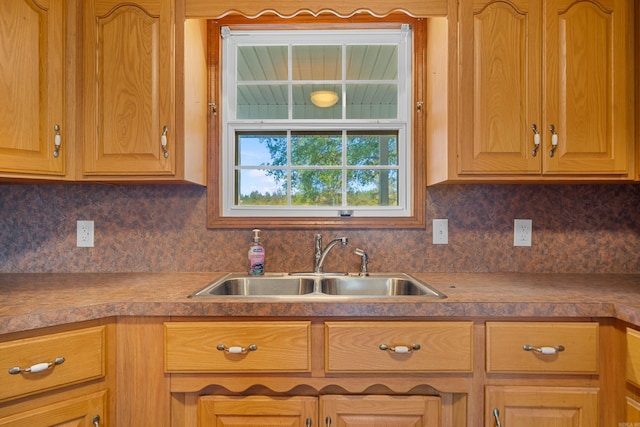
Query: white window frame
x=231, y=39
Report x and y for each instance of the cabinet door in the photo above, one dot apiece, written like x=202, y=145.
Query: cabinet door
x=87, y=411
x=263, y=411
x=129, y=88
x=500, y=87
x=380, y=411
x=632, y=409
x=542, y=406
x=588, y=86
x=32, y=86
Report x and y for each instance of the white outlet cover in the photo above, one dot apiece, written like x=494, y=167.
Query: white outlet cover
x=522, y=229
x=84, y=234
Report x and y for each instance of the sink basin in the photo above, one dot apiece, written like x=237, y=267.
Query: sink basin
x=310, y=286
x=242, y=284
x=374, y=285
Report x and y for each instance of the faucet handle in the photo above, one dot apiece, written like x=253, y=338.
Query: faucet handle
x=365, y=261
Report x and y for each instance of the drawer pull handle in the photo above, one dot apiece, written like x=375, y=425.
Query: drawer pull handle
x=163, y=141
x=38, y=367
x=96, y=421
x=57, y=140
x=543, y=350
x=536, y=140
x=554, y=140
x=237, y=349
x=399, y=348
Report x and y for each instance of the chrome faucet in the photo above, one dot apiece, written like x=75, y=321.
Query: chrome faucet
x=321, y=254
x=365, y=261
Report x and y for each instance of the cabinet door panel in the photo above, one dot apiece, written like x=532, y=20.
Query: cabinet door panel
x=633, y=357
x=542, y=406
x=632, y=411
x=263, y=411
x=80, y=412
x=129, y=89
x=500, y=87
x=380, y=411
x=588, y=87
x=31, y=83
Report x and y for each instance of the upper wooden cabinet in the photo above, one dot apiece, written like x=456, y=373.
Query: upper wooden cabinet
x=549, y=72
x=129, y=88
x=32, y=82
x=131, y=94
x=588, y=87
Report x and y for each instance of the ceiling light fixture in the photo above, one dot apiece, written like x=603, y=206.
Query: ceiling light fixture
x=324, y=98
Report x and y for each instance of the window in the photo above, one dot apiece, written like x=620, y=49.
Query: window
x=317, y=126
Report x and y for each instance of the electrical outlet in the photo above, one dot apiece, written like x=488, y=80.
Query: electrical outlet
x=522, y=232
x=84, y=234
x=440, y=231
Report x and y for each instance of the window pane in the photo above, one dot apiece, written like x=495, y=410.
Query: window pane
x=260, y=63
x=261, y=149
x=316, y=187
x=367, y=187
x=372, y=62
x=316, y=148
x=266, y=187
x=316, y=62
x=372, y=148
x=372, y=101
x=304, y=107
x=262, y=102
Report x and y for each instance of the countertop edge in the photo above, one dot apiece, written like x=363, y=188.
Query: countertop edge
x=33, y=301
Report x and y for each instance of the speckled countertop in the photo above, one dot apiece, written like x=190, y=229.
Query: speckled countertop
x=29, y=301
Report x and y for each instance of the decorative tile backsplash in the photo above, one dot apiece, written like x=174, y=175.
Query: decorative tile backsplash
x=576, y=228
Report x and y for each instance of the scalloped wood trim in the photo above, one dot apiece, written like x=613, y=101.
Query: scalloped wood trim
x=289, y=9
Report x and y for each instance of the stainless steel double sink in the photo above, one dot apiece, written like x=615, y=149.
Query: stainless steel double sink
x=310, y=286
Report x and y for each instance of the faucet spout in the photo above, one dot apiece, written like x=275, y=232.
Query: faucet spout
x=321, y=254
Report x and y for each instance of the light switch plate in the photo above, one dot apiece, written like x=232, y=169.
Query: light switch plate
x=440, y=231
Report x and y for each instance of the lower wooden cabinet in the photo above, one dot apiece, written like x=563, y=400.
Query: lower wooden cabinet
x=632, y=411
x=380, y=411
x=329, y=410
x=542, y=347
x=632, y=403
x=223, y=411
x=560, y=358
x=52, y=361
x=541, y=406
x=633, y=357
x=85, y=411
x=56, y=377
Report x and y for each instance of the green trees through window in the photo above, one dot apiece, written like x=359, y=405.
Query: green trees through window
x=317, y=168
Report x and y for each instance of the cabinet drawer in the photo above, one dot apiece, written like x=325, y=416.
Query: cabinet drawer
x=360, y=346
x=83, y=352
x=633, y=356
x=506, y=353
x=279, y=347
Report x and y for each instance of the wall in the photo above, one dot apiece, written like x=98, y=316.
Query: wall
x=576, y=228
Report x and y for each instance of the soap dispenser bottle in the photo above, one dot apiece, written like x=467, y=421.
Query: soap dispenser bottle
x=256, y=255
